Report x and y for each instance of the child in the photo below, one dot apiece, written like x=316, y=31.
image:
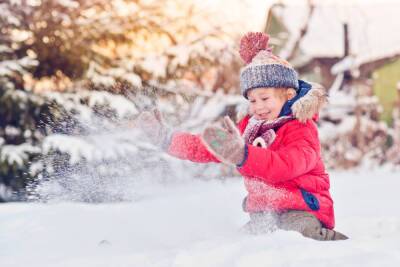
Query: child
x=275, y=147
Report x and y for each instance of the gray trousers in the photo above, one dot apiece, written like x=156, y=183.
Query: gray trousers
x=300, y=221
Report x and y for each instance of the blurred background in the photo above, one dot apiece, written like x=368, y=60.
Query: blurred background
x=74, y=75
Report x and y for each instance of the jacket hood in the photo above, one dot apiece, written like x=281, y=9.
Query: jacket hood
x=308, y=105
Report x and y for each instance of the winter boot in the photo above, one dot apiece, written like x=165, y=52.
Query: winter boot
x=308, y=225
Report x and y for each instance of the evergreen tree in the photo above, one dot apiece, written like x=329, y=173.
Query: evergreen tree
x=153, y=54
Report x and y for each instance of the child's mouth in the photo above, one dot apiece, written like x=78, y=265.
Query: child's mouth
x=263, y=115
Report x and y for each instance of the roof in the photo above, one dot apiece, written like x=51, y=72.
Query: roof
x=373, y=28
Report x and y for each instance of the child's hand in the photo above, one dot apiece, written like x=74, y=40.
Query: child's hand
x=225, y=142
x=152, y=125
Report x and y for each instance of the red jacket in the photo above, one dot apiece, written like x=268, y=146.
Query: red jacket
x=288, y=175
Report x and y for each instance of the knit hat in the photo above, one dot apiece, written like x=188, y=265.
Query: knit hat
x=263, y=68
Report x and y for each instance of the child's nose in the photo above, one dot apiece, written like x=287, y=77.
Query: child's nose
x=259, y=105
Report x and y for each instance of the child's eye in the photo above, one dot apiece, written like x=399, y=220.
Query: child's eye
x=252, y=101
x=265, y=98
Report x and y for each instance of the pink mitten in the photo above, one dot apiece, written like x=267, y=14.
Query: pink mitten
x=152, y=125
x=225, y=142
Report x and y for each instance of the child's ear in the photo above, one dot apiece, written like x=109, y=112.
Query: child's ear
x=290, y=93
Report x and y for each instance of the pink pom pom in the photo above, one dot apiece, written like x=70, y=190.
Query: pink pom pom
x=251, y=44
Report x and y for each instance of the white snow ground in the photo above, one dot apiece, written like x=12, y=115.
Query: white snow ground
x=196, y=224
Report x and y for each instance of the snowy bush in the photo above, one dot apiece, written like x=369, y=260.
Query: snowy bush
x=350, y=131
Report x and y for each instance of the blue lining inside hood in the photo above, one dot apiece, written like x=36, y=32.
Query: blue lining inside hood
x=304, y=87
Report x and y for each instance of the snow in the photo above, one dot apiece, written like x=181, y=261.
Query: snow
x=69, y=3
x=120, y=104
x=12, y=131
x=17, y=154
x=343, y=65
x=156, y=65
x=196, y=223
x=371, y=27
x=75, y=147
x=4, y=49
x=233, y=14
x=8, y=67
x=204, y=111
x=73, y=102
x=5, y=192
x=20, y=35
x=7, y=16
x=98, y=147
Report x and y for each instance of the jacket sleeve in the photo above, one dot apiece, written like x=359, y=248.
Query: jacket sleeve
x=298, y=154
x=189, y=147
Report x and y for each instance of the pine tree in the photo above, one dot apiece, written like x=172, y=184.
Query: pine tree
x=152, y=54
x=18, y=133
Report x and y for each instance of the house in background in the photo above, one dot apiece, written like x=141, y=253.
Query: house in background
x=336, y=42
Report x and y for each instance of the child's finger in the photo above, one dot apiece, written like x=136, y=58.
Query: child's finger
x=157, y=114
x=210, y=137
x=229, y=125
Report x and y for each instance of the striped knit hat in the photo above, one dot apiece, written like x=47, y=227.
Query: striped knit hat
x=263, y=68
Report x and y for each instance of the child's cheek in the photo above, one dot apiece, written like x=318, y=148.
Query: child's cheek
x=251, y=109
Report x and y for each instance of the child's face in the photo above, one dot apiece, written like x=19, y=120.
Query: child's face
x=266, y=103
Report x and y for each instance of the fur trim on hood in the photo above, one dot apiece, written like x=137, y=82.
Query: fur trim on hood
x=311, y=104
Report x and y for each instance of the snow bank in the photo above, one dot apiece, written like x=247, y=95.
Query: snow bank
x=196, y=223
